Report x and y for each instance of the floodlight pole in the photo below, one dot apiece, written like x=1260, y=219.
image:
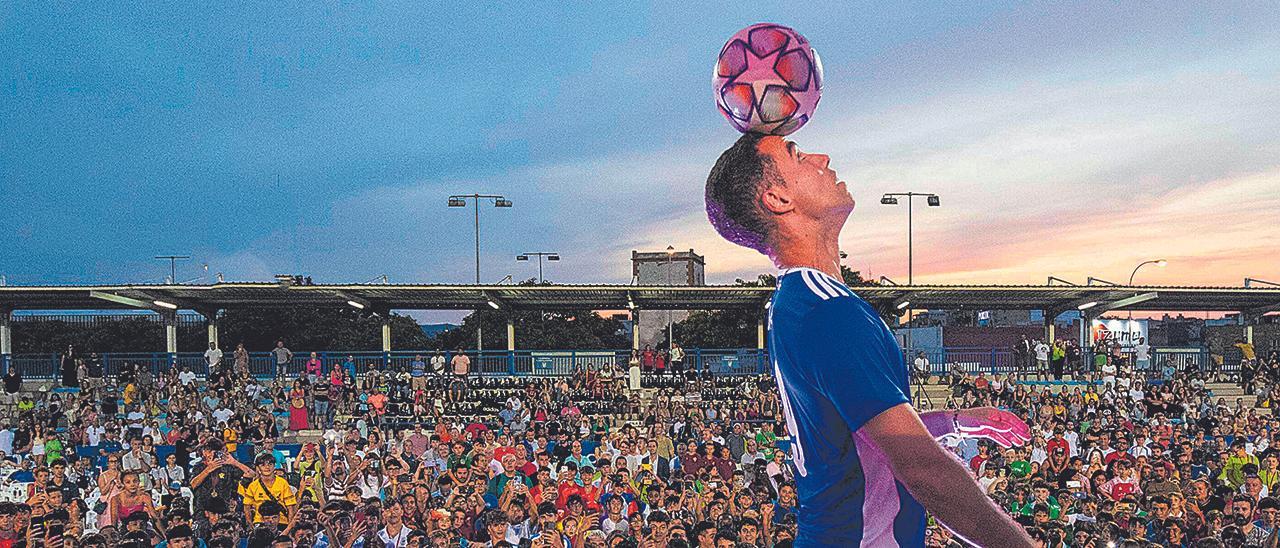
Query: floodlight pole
x=173, y=265
x=460, y=200
x=1157, y=262
x=550, y=255
x=671, y=251
x=891, y=198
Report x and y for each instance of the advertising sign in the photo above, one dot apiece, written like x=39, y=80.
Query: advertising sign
x=1126, y=333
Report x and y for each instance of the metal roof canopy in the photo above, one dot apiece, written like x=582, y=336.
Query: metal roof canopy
x=384, y=297
x=1252, y=301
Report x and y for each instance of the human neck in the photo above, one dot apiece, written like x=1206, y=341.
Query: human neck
x=812, y=245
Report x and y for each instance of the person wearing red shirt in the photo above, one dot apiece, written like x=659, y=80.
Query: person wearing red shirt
x=648, y=358
x=1058, y=441
x=379, y=402
x=567, y=484
x=981, y=383
x=502, y=451
x=975, y=463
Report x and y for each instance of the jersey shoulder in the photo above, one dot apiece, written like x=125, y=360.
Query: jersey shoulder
x=805, y=286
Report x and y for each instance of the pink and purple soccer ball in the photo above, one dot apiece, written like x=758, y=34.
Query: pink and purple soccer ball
x=768, y=79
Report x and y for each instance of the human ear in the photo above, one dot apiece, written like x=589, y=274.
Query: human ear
x=776, y=200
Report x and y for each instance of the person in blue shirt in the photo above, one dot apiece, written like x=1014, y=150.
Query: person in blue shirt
x=867, y=465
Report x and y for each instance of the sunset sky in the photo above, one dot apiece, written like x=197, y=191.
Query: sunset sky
x=324, y=139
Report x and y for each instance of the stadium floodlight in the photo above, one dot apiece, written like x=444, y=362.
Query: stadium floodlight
x=493, y=304
x=891, y=198
x=460, y=200
x=355, y=304
x=1158, y=262
x=548, y=255
x=165, y=304
x=1087, y=305
x=903, y=304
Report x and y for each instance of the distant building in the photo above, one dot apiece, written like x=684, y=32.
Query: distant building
x=682, y=268
x=1177, y=331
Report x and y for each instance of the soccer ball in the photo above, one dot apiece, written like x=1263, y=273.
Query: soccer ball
x=768, y=79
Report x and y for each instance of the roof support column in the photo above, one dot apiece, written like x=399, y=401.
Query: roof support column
x=211, y=324
x=635, y=329
x=1248, y=333
x=170, y=330
x=6, y=340
x=760, y=332
x=511, y=334
x=1086, y=327
x=386, y=332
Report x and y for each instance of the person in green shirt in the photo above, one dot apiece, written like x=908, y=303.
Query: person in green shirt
x=766, y=440
x=458, y=458
x=52, y=450
x=1040, y=495
x=1233, y=471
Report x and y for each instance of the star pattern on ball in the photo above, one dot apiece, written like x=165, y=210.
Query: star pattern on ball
x=767, y=80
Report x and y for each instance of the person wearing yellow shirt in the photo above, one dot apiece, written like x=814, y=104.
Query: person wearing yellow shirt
x=268, y=486
x=1270, y=472
x=1246, y=349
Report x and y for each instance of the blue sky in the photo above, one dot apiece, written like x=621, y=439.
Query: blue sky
x=324, y=138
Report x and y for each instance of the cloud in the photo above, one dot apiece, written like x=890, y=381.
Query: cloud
x=1066, y=171
x=1056, y=174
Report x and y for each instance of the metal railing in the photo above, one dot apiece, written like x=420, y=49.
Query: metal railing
x=264, y=365
x=993, y=361
x=748, y=361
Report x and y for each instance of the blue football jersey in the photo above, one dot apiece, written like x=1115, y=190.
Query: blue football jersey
x=838, y=366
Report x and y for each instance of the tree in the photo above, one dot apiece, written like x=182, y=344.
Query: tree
x=114, y=333
x=722, y=328
x=738, y=328
x=316, y=328
x=536, y=330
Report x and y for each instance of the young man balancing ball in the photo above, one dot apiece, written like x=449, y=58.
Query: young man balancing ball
x=867, y=465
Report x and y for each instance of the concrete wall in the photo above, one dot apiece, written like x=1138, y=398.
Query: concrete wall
x=922, y=338
x=1219, y=338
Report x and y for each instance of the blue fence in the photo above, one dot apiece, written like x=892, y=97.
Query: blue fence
x=1001, y=362
x=567, y=362
x=485, y=363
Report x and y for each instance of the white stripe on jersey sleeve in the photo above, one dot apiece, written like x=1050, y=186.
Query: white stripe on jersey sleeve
x=836, y=288
x=806, y=276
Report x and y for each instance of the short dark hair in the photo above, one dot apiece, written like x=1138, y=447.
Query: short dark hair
x=732, y=193
x=1269, y=503
x=179, y=532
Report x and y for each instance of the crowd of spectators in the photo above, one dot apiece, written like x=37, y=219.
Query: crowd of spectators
x=432, y=454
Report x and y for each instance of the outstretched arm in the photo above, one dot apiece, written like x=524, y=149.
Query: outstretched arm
x=1002, y=427
x=939, y=481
